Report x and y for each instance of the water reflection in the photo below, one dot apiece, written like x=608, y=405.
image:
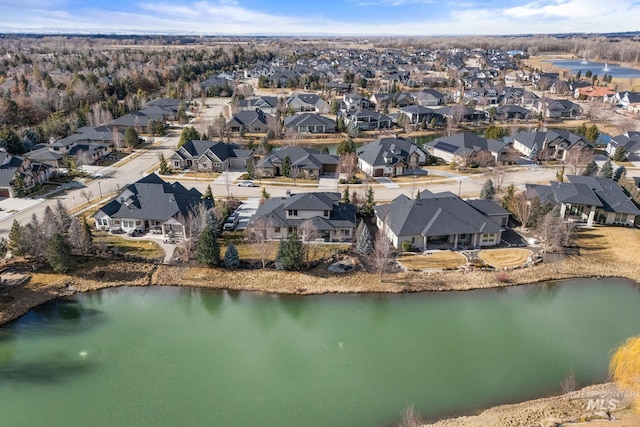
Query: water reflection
x=45, y=371
x=546, y=291
x=212, y=300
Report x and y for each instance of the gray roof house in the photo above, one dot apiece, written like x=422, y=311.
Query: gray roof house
x=366, y=119
x=303, y=102
x=211, y=156
x=557, y=108
x=466, y=147
x=18, y=171
x=268, y=104
x=437, y=221
x=314, y=216
x=310, y=123
x=630, y=141
x=151, y=204
x=308, y=162
x=390, y=157
x=551, y=144
x=249, y=121
x=588, y=198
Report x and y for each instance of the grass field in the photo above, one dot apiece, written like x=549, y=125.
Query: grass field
x=141, y=248
x=505, y=257
x=435, y=260
x=609, y=244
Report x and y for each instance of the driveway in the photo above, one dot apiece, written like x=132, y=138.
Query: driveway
x=228, y=177
x=328, y=182
x=386, y=182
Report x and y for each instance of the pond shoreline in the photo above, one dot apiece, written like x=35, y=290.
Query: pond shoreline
x=116, y=273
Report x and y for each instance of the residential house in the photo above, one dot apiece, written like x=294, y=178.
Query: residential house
x=630, y=141
x=310, y=123
x=306, y=162
x=552, y=144
x=438, y=221
x=467, y=148
x=512, y=112
x=267, y=104
x=151, y=204
x=211, y=156
x=589, y=199
x=387, y=100
x=354, y=102
x=308, y=102
x=250, y=121
x=317, y=216
x=557, y=108
x=20, y=174
x=594, y=93
x=390, y=157
x=430, y=98
x=366, y=119
x=628, y=100
x=417, y=114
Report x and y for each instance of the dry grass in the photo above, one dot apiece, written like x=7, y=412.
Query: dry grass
x=250, y=252
x=609, y=244
x=504, y=257
x=416, y=179
x=138, y=247
x=435, y=260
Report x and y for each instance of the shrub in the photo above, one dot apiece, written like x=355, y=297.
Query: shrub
x=503, y=277
x=406, y=246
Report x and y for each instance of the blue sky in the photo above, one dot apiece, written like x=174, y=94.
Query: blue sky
x=337, y=17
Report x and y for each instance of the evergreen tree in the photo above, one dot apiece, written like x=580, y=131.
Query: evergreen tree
x=508, y=196
x=131, y=137
x=62, y=218
x=325, y=150
x=488, y=190
x=208, y=246
x=58, y=253
x=369, y=203
x=620, y=155
x=592, y=133
x=263, y=194
x=17, y=240
x=364, y=244
x=189, y=133
x=620, y=172
x=582, y=129
x=607, y=169
x=285, y=170
x=12, y=140
x=345, y=195
x=231, y=257
x=346, y=146
x=292, y=254
x=164, y=166
x=591, y=169
x=208, y=194
x=494, y=132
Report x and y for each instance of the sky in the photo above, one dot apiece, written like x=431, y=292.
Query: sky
x=319, y=17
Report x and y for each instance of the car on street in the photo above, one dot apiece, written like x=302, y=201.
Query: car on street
x=245, y=184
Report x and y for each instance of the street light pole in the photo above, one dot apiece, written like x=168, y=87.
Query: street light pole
x=459, y=187
x=100, y=189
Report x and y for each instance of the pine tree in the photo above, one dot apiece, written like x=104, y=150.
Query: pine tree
x=620, y=155
x=293, y=251
x=208, y=246
x=285, y=170
x=58, y=253
x=131, y=137
x=231, y=257
x=63, y=219
x=488, y=191
x=208, y=194
x=592, y=133
x=607, y=170
x=345, y=195
x=164, y=168
x=508, y=196
x=364, y=244
x=591, y=169
x=368, y=208
x=189, y=133
x=620, y=172
x=17, y=241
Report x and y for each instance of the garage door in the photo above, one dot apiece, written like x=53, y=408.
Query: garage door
x=4, y=192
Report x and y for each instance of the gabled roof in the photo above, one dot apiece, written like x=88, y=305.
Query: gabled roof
x=219, y=149
x=304, y=158
x=247, y=118
x=440, y=214
x=466, y=142
x=378, y=152
x=308, y=119
x=153, y=198
x=488, y=207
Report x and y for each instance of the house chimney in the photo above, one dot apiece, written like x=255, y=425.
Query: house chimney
x=288, y=192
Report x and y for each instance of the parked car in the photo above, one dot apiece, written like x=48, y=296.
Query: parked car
x=245, y=184
x=231, y=222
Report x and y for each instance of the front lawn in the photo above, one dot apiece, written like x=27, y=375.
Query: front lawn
x=435, y=260
x=135, y=247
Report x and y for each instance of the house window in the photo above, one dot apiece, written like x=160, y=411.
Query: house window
x=117, y=222
x=216, y=164
x=620, y=217
x=487, y=238
x=176, y=164
x=347, y=232
x=127, y=224
x=413, y=239
x=326, y=214
x=293, y=230
x=292, y=212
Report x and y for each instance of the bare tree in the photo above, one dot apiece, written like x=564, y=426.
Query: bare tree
x=520, y=206
x=578, y=158
x=410, y=418
x=627, y=124
x=79, y=238
x=87, y=194
x=382, y=253
x=484, y=158
x=348, y=165
x=555, y=232
x=260, y=235
x=498, y=176
x=117, y=138
x=291, y=137
x=309, y=232
x=274, y=126
x=457, y=113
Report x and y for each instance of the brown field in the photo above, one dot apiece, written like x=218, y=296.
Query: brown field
x=501, y=258
x=436, y=260
x=141, y=248
x=609, y=244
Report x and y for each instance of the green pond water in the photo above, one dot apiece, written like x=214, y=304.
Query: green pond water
x=191, y=357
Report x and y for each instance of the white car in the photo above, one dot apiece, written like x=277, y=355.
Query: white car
x=245, y=184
